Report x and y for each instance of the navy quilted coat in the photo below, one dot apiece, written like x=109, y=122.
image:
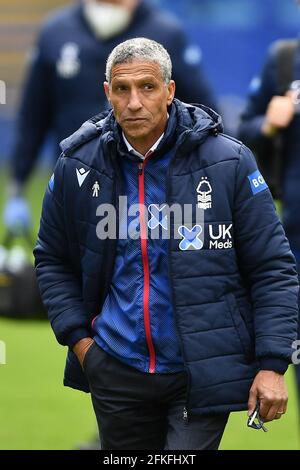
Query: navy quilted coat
x=234, y=296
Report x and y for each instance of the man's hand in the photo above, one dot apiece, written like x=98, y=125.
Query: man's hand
x=279, y=115
x=81, y=348
x=270, y=389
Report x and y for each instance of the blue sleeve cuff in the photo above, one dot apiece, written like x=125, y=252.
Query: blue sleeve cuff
x=76, y=336
x=274, y=363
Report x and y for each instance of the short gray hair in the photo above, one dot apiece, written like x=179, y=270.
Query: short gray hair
x=140, y=49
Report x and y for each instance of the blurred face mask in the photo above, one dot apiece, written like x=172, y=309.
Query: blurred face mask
x=105, y=19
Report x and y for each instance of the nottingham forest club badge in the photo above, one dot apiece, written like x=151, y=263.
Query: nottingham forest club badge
x=204, y=197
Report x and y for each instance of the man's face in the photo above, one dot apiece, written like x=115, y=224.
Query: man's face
x=139, y=98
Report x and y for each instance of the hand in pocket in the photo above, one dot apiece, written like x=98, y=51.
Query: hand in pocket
x=81, y=349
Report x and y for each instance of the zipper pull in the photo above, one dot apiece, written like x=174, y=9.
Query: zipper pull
x=140, y=168
x=185, y=415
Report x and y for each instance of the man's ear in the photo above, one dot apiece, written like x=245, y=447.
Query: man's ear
x=106, y=89
x=171, y=92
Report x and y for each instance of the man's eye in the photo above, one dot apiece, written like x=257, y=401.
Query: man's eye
x=148, y=86
x=121, y=88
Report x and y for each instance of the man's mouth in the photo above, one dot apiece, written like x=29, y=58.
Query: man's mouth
x=137, y=119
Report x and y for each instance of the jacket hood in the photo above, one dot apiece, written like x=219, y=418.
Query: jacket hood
x=194, y=122
x=197, y=117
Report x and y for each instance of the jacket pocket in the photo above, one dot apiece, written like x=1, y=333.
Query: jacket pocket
x=240, y=327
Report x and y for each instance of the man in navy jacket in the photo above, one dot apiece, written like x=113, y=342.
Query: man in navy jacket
x=173, y=319
x=63, y=87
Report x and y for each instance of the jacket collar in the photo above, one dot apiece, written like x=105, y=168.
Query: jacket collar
x=188, y=124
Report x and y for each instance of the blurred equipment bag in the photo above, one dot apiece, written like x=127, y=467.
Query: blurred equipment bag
x=269, y=154
x=19, y=294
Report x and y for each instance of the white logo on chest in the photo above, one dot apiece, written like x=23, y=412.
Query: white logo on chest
x=81, y=175
x=204, y=191
x=68, y=65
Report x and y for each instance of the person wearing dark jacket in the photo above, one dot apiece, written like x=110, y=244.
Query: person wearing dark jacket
x=63, y=87
x=272, y=113
x=172, y=320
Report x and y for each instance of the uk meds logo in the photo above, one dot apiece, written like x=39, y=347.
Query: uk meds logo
x=191, y=240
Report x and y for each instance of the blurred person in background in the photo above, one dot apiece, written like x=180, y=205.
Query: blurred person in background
x=270, y=126
x=63, y=86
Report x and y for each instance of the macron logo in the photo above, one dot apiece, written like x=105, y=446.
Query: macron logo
x=81, y=175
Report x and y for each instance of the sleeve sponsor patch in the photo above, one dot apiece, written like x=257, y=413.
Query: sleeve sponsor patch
x=257, y=182
x=51, y=183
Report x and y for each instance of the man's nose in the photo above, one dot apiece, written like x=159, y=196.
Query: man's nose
x=134, y=103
